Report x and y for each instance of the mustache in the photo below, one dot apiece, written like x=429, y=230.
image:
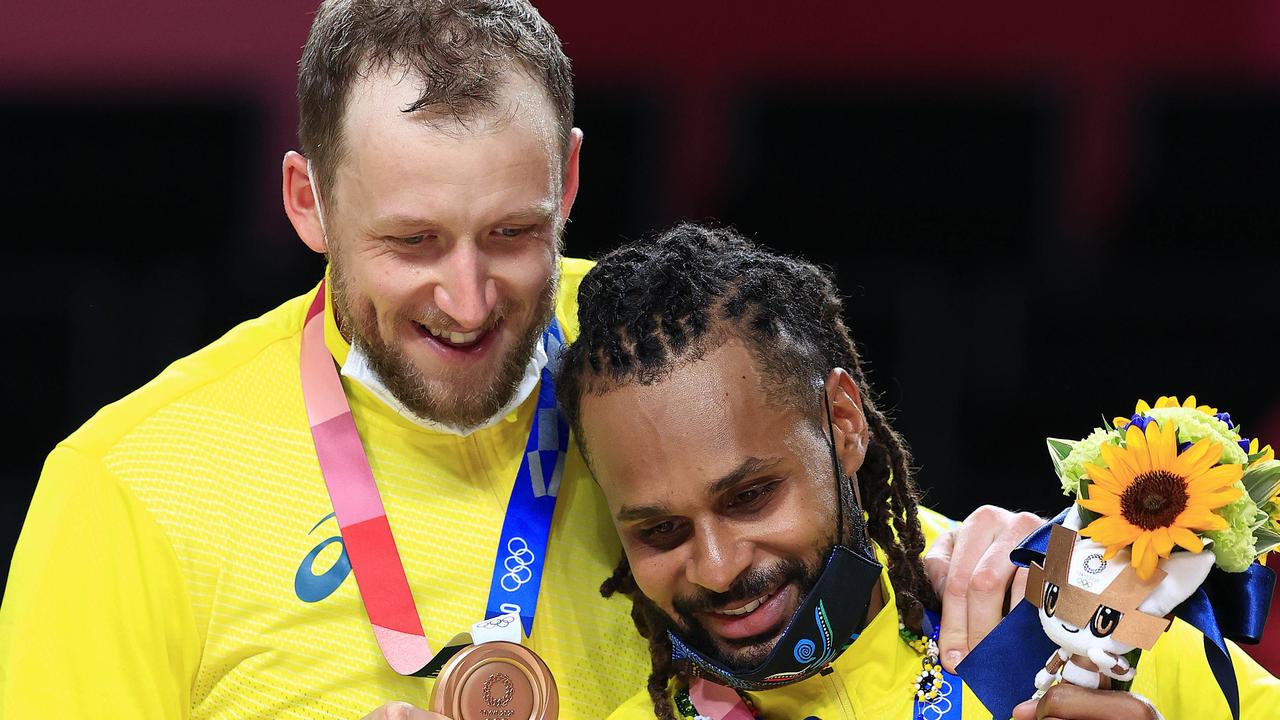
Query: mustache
x=750, y=585
x=436, y=318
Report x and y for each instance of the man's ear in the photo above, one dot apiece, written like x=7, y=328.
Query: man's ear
x=570, y=188
x=300, y=202
x=847, y=420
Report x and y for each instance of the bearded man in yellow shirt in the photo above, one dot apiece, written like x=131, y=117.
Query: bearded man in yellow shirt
x=719, y=398
x=183, y=558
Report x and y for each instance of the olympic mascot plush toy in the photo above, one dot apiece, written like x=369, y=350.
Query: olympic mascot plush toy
x=1097, y=610
x=1171, y=511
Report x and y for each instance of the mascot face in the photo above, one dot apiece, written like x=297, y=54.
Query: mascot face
x=1087, y=602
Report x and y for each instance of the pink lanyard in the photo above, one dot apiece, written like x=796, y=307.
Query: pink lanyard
x=375, y=561
x=718, y=702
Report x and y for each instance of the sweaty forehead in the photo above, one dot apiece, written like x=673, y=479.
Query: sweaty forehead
x=694, y=426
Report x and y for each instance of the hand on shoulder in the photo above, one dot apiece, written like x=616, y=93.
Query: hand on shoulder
x=970, y=570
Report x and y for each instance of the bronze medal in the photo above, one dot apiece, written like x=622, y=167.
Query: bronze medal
x=496, y=681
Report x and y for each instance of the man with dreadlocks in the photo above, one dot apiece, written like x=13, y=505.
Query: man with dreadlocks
x=722, y=406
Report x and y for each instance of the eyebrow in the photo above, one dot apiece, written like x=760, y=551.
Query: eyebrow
x=748, y=467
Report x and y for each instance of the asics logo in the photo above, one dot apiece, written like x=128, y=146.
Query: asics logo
x=519, y=558
x=310, y=587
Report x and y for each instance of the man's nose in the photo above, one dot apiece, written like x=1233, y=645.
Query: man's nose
x=718, y=558
x=465, y=291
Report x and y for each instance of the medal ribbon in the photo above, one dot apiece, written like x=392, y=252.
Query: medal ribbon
x=366, y=534
x=522, y=547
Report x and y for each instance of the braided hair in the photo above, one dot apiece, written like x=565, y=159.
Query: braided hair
x=656, y=303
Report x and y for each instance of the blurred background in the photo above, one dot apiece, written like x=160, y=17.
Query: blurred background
x=1037, y=215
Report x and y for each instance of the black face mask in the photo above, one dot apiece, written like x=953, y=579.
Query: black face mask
x=825, y=624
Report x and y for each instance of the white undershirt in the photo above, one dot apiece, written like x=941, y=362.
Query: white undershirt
x=357, y=368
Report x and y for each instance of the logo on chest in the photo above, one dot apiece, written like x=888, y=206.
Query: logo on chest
x=311, y=586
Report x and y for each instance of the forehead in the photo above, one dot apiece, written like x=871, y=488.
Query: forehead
x=389, y=151
x=693, y=427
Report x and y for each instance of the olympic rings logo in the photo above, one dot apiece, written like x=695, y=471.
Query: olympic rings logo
x=517, y=563
x=498, y=622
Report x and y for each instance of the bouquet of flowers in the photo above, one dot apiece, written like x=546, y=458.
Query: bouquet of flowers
x=1171, y=477
x=1160, y=497
x=1171, y=507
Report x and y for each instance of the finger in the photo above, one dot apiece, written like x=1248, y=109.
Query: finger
x=1025, y=711
x=1019, y=589
x=987, y=589
x=1070, y=701
x=403, y=711
x=938, y=559
x=971, y=541
x=990, y=585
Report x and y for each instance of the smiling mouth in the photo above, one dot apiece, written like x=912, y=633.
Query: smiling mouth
x=1067, y=628
x=457, y=340
x=748, y=608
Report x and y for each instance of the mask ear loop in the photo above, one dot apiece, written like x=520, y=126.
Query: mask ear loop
x=835, y=467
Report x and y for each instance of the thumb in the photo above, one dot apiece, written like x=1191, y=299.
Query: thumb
x=403, y=711
x=1025, y=711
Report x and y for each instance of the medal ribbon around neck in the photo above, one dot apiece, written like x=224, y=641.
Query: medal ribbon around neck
x=357, y=505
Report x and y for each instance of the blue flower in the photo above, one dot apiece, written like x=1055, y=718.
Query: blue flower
x=1140, y=421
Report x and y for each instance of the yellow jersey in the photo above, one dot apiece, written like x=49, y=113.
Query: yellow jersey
x=875, y=677
x=180, y=558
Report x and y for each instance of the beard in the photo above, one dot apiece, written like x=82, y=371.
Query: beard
x=741, y=654
x=451, y=398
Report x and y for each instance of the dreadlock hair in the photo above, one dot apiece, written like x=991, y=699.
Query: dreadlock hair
x=659, y=302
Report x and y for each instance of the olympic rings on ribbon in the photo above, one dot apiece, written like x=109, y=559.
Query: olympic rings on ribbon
x=517, y=563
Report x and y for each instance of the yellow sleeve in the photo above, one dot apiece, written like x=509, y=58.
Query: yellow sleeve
x=1175, y=676
x=96, y=619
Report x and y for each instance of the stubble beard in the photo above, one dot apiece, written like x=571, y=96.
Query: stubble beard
x=748, y=653
x=456, y=401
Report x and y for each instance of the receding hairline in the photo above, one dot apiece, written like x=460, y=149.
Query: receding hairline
x=454, y=122
x=483, y=119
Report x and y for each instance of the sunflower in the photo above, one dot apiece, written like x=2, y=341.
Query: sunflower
x=1267, y=453
x=1153, y=497
x=1164, y=401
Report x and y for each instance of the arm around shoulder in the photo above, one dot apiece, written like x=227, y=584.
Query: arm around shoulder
x=96, y=616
